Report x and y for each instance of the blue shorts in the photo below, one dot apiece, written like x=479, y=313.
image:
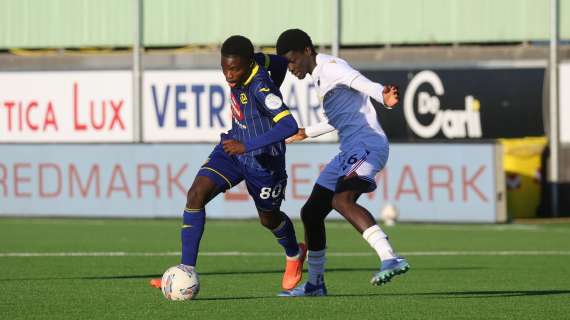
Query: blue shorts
x=359, y=161
x=267, y=188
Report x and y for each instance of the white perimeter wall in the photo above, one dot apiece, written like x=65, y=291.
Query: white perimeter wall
x=427, y=182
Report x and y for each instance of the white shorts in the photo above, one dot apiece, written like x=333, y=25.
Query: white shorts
x=365, y=162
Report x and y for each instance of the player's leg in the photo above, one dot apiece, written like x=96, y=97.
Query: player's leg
x=216, y=175
x=203, y=189
x=267, y=191
x=345, y=203
x=313, y=215
x=359, y=169
x=282, y=228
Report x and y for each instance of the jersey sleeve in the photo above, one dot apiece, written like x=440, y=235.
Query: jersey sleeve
x=318, y=129
x=270, y=101
x=275, y=65
x=338, y=73
x=344, y=74
x=370, y=88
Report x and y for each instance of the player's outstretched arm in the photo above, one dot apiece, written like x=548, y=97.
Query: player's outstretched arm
x=345, y=74
x=388, y=95
x=311, y=131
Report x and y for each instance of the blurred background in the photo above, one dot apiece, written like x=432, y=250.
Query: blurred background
x=109, y=107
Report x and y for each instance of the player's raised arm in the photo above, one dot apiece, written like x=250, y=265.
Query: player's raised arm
x=343, y=73
x=388, y=95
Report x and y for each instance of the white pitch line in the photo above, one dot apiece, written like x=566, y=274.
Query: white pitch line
x=262, y=254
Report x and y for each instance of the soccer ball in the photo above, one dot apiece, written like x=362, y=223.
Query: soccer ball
x=180, y=283
x=389, y=214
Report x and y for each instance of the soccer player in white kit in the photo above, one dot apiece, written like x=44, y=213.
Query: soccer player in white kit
x=344, y=93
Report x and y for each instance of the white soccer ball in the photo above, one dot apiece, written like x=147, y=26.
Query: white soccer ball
x=180, y=283
x=389, y=214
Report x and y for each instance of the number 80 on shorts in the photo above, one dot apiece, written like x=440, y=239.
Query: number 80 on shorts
x=274, y=192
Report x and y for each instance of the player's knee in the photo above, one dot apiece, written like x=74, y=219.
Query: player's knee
x=270, y=220
x=311, y=214
x=341, y=202
x=265, y=222
x=196, y=198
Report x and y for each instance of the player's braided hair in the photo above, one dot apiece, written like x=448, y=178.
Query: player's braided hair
x=238, y=46
x=294, y=40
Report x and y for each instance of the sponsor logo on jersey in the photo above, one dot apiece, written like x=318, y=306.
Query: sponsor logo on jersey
x=454, y=123
x=243, y=98
x=239, y=124
x=236, y=109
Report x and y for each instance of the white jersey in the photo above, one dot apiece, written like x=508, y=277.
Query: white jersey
x=344, y=94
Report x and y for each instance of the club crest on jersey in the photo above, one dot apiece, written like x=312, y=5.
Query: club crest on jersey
x=236, y=109
x=243, y=98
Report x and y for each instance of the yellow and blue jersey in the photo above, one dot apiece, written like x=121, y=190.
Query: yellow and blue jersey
x=257, y=106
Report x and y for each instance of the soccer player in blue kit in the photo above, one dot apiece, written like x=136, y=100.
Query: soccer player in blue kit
x=345, y=95
x=253, y=150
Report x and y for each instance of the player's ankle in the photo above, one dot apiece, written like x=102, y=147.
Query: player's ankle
x=295, y=257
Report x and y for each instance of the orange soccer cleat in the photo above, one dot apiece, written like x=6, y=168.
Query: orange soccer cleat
x=294, y=269
x=156, y=283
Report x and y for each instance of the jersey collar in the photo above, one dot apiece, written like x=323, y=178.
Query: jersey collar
x=253, y=73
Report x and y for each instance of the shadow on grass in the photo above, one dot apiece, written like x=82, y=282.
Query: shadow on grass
x=226, y=273
x=256, y=272
x=464, y=294
x=494, y=294
x=438, y=295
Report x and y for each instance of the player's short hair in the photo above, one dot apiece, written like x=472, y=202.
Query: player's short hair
x=294, y=40
x=238, y=46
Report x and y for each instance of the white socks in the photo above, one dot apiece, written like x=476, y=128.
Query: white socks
x=316, y=261
x=375, y=237
x=379, y=241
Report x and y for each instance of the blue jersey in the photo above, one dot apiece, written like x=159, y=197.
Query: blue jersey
x=257, y=106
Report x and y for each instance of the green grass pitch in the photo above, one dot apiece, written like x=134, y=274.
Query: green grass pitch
x=516, y=271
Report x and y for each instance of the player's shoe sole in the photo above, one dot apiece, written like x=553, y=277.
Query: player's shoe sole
x=389, y=270
x=155, y=283
x=294, y=269
x=305, y=290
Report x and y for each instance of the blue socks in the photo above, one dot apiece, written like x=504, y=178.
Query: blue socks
x=191, y=234
x=193, y=228
x=285, y=234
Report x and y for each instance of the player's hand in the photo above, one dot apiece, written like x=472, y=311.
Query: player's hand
x=233, y=147
x=391, y=95
x=299, y=136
